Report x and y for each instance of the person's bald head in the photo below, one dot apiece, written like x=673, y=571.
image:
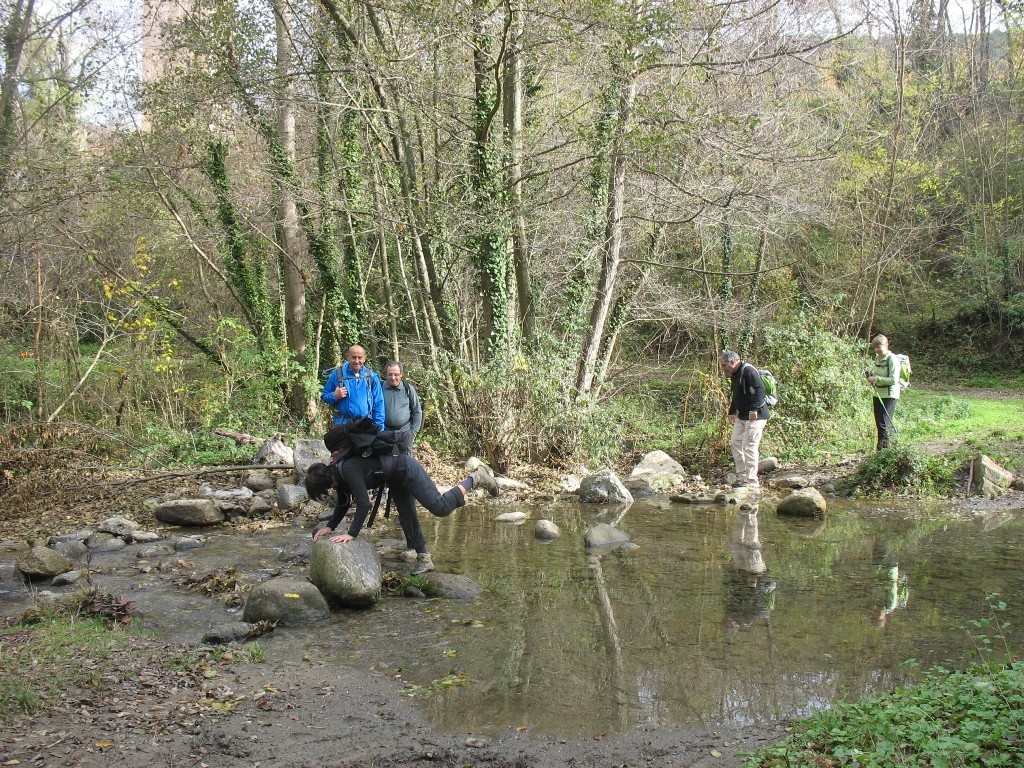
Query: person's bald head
x=356, y=358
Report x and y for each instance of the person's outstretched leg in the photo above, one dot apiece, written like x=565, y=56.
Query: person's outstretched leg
x=481, y=477
x=417, y=483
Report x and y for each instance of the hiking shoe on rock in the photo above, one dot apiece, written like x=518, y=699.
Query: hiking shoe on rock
x=482, y=478
x=423, y=564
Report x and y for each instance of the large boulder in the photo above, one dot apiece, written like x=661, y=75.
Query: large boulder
x=289, y=602
x=604, y=487
x=804, y=502
x=188, y=512
x=105, y=542
x=79, y=536
x=604, y=535
x=656, y=472
x=308, y=452
x=546, y=530
x=347, y=574
x=41, y=563
x=118, y=526
x=274, y=452
x=70, y=548
x=451, y=586
x=237, y=495
x=260, y=480
x=989, y=478
x=290, y=496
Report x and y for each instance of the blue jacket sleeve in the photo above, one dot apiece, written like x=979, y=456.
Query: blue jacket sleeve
x=377, y=397
x=332, y=384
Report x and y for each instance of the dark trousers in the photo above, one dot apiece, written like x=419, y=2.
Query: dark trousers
x=410, y=484
x=885, y=407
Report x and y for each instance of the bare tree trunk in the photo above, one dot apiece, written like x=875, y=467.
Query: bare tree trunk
x=288, y=216
x=611, y=251
x=513, y=104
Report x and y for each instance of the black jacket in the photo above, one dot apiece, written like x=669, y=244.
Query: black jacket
x=356, y=476
x=748, y=393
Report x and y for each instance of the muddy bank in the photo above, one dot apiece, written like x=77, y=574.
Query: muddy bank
x=230, y=714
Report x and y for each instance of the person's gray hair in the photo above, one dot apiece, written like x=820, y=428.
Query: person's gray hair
x=729, y=357
x=394, y=364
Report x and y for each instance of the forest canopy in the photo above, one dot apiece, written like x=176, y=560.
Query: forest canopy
x=535, y=205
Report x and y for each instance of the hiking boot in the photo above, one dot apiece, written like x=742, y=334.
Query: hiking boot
x=482, y=478
x=423, y=564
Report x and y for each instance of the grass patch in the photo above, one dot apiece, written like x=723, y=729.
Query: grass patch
x=924, y=414
x=39, y=663
x=963, y=426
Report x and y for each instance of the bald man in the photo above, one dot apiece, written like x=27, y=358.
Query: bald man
x=354, y=391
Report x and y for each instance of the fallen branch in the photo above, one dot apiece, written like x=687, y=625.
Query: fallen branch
x=198, y=473
x=240, y=438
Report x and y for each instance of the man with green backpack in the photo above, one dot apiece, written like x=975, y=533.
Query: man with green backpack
x=748, y=414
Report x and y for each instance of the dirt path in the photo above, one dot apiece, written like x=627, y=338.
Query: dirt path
x=227, y=715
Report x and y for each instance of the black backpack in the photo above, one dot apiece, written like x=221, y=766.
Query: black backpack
x=359, y=437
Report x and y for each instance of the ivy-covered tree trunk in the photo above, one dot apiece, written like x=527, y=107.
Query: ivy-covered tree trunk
x=399, y=148
x=344, y=315
x=572, y=315
x=245, y=263
x=288, y=220
x=491, y=236
x=513, y=103
x=15, y=35
x=726, y=291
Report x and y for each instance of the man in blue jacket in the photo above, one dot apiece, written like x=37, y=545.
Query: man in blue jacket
x=354, y=391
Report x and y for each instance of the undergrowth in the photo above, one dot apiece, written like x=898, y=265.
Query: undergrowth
x=901, y=469
x=950, y=719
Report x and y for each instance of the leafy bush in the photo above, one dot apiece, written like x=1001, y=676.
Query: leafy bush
x=519, y=411
x=822, y=373
x=901, y=469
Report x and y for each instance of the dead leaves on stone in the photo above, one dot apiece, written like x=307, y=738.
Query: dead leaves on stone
x=225, y=581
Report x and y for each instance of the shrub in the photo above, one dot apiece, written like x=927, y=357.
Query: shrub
x=900, y=469
x=518, y=410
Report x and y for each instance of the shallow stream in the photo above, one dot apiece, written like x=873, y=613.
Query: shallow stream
x=718, y=615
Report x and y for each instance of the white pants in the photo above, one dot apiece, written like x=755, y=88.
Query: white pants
x=746, y=444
